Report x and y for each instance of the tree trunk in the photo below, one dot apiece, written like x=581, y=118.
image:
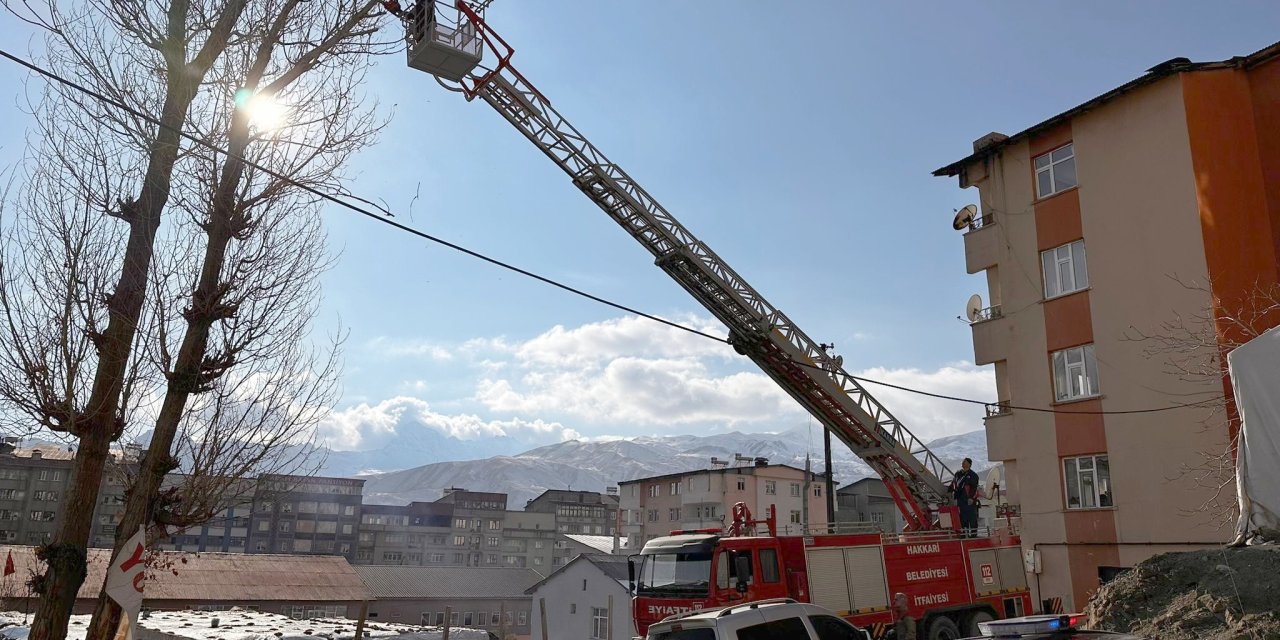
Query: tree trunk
x=102, y=424
x=188, y=375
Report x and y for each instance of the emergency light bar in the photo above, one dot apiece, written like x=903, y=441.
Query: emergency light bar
x=1017, y=627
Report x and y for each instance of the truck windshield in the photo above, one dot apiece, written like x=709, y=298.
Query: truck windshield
x=683, y=573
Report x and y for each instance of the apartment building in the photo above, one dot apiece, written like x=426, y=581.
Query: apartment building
x=653, y=507
x=227, y=531
x=530, y=539
x=579, y=512
x=866, y=503
x=1170, y=185
x=34, y=482
x=305, y=515
x=417, y=534
x=477, y=525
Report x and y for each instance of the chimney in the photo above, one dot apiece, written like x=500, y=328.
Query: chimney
x=36, y=454
x=762, y=462
x=991, y=139
x=611, y=491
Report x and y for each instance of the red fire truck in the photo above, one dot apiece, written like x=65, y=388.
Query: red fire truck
x=951, y=582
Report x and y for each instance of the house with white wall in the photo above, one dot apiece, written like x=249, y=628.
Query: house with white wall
x=584, y=600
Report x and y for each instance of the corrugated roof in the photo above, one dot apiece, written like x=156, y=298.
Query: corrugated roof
x=613, y=566
x=603, y=544
x=1162, y=70
x=395, y=582
x=226, y=576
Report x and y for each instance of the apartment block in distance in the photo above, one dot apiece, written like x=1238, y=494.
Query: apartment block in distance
x=1153, y=202
x=653, y=507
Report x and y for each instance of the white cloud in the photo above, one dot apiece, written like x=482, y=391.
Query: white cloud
x=365, y=426
x=927, y=417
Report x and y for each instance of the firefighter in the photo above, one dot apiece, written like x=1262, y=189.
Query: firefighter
x=964, y=487
x=904, y=626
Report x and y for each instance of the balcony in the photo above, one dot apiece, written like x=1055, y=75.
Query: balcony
x=982, y=245
x=991, y=336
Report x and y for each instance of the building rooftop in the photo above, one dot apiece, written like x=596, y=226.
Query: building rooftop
x=603, y=544
x=612, y=566
x=1164, y=69
x=395, y=582
x=226, y=576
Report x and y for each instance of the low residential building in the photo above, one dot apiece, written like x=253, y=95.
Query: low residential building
x=653, y=507
x=583, y=599
x=296, y=586
x=585, y=512
x=473, y=597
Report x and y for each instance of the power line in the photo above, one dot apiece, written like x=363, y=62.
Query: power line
x=356, y=208
x=510, y=267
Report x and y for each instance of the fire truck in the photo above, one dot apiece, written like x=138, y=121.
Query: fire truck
x=951, y=581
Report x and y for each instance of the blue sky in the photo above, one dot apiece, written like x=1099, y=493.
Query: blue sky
x=798, y=144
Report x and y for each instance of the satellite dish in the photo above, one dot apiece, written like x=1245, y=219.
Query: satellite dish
x=973, y=307
x=838, y=361
x=964, y=217
x=994, y=477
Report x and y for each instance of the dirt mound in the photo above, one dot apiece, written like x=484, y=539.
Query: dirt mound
x=1221, y=594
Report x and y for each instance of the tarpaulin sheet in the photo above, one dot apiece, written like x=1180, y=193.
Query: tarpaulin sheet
x=1255, y=378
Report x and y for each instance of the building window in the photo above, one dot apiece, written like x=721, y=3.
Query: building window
x=817, y=491
x=391, y=556
x=284, y=526
x=436, y=558
x=770, y=487
x=1055, y=171
x=573, y=608
x=673, y=514
x=653, y=491
x=46, y=496
x=795, y=489
x=742, y=484
x=459, y=541
x=1064, y=269
x=495, y=525
x=43, y=516
x=1075, y=373
x=653, y=515
x=493, y=541
x=1088, y=482
x=795, y=517
x=302, y=546
x=522, y=618
x=495, y=618
x=675, y=488
x=459, y=523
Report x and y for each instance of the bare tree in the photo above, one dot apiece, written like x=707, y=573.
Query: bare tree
x=240, y=384
x=82, y=352
x=1194, y=348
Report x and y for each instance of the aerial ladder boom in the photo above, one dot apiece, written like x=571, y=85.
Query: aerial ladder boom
x=802, y=367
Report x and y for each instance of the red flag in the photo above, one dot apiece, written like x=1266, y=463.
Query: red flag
x=8, y=565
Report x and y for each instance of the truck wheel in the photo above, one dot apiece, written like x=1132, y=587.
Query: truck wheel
x=971, y=623
x=943, y=628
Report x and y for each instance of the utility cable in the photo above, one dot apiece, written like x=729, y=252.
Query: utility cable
x=356, y=208
x=508, y=266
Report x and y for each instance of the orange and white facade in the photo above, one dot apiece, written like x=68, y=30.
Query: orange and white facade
x=1090, y=226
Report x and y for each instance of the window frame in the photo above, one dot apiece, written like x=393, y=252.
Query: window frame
x=599, y=623
x=1086, y=369
x=1049, y=169
x=1102, y=489
x=1071, y=260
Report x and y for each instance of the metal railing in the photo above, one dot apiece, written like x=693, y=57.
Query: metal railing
x=1000, y=408
x=982, y=221
x=990, y=313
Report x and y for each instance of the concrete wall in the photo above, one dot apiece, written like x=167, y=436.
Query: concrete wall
x=412, y=611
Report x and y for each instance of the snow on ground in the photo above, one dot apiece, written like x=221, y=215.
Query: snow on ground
x=242, y=624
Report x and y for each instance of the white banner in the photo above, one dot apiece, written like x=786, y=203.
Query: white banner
x=126, y=577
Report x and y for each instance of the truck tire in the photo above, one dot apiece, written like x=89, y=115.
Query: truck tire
x=971, y=622
x=943, y=628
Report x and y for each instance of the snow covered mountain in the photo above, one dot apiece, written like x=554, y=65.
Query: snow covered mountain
x=594, y=465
